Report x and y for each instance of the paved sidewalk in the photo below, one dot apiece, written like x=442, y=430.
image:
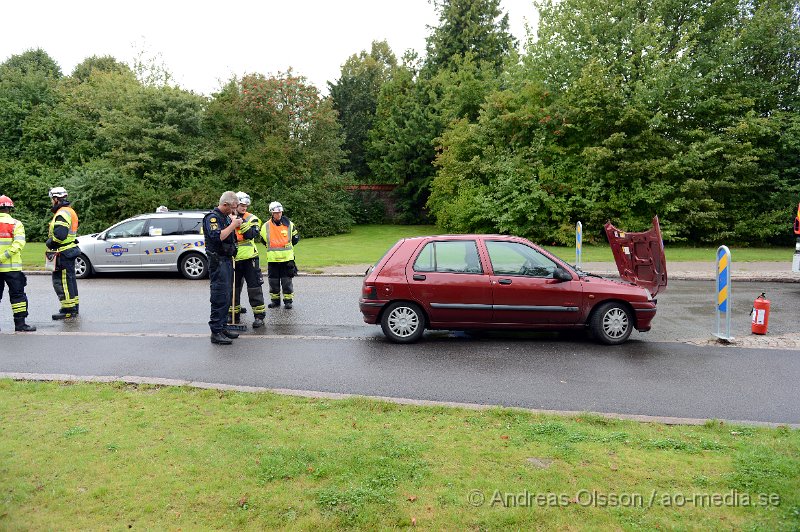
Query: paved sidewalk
x=780, y=272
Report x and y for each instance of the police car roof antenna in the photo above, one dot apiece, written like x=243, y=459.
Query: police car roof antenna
x=232, y=326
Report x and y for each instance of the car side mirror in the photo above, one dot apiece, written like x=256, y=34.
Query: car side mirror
x=561, y=275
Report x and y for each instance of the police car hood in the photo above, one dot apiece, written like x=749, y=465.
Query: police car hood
x=640, y=256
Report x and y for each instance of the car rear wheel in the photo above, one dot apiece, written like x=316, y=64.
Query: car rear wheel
x=83, y=268
x=611, y=324
x=194, y=266
x=403, y=322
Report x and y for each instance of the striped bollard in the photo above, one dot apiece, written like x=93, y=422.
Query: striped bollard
x=578, y=245
x=724, y=301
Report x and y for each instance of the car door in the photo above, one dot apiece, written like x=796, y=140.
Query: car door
x=525, y=289
x=450, y=281
x=120, y=248
x=160, y=243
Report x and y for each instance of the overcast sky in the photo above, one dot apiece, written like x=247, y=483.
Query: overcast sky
x=203, y=43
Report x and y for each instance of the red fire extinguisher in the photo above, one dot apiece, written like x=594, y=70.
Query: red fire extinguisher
x=760, y=314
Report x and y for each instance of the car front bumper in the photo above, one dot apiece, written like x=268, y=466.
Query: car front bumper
x=645, y=312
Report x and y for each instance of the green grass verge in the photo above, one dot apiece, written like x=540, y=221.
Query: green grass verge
x=367, y=243
x=97, y=456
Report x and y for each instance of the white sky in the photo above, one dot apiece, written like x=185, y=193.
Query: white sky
x=204, y=43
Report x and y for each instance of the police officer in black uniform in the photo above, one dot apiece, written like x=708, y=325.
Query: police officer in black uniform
x=220, y=234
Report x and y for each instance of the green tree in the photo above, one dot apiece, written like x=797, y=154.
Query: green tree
x=476, y=27
x=355, y=98
x=106, y=63
x=278, y=139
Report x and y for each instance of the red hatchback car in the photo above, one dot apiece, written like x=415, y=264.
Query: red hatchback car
x=467, y=282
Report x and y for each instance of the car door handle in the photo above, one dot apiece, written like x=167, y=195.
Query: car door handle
x=504, y=281
x=419, y=277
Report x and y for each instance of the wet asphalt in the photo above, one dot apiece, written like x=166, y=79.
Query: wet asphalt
x=157, y=327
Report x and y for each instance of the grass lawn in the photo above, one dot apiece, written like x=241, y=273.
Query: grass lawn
x=97, y=456
x=366, y=244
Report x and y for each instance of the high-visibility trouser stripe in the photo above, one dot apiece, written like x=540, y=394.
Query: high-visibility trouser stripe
x=259, y=309
x=68, y=302
x=19, y=308
x=287, y=248
x=20, y=238
x=237, y=309
x=274, y=295
x=288, y=296
x=14, y=266
x=6, y=241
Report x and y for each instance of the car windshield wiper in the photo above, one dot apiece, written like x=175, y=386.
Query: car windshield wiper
x=582, y=273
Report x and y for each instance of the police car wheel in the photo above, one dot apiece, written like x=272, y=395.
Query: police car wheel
x=194, y=266
x=83, y=268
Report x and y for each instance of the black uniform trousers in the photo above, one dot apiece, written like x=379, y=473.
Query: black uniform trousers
x=250, y=271
x=16, y=282
x=220, y=271
x=64, y=282
x=280, y=276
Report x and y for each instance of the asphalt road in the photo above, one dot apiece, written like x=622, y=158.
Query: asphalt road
x=157, y=327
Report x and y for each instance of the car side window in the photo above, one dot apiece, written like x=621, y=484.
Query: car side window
x=164, y=227
x=458, y=256
x=513, y=258
x=191, y=226
x=129, y=229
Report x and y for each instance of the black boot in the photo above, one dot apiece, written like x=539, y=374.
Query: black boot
x=275, y=303
x=230, y=334
x=258, y=322
x=66, y=313
x=219, y=338
x=21, y=326
x=287, y=304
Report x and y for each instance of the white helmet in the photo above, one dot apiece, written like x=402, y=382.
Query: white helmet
x=162, y=208
x=275, y=206
x=58, y=192
x=243, y=197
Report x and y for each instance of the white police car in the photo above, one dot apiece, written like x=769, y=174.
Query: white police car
x=158, y=242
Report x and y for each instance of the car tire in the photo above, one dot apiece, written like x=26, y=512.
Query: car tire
x=611, y=323
x=83, y=268
x=193, y=266
x=403, y=322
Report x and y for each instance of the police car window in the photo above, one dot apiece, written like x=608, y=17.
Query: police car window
x=191, y=226
x=459, y=256
x=512, y=258
x=129, y=229
x=164, y=227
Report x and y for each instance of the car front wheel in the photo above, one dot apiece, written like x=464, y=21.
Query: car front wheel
x=83, y=268
x=193, y=266
x=403, y=322
x=611, y=324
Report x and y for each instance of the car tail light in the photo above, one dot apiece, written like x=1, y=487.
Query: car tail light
x=369, y=291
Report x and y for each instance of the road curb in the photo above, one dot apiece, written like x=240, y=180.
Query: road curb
x=156, y=381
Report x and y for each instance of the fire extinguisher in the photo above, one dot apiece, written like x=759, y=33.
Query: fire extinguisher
x=760, y=313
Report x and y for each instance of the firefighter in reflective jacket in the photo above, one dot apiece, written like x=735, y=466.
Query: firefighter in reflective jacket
x=12, y=240
x=280, y=237
x=62, y=241
x=247, y=265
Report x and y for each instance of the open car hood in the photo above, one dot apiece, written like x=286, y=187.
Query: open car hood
x=640, y=256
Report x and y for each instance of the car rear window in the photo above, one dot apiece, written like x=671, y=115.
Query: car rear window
x=192, y=226
x=164, y=227
x=458, y=256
